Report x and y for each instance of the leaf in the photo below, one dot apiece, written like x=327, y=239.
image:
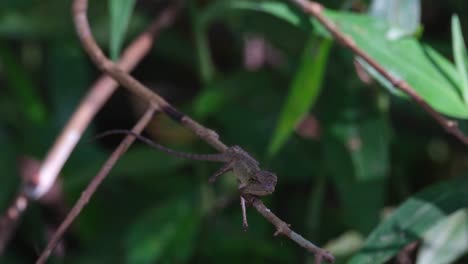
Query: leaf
x=359, y=179
x=402, y=16
x=459, y=53
x=434, y=80
x=120, y=13
x=280, y=10
x=446, y=241
x=412, y=219
x=346, y=244
x=170, y=227
x=208, y=101
x=436, y=84
x=303, y=92
x=367, y=150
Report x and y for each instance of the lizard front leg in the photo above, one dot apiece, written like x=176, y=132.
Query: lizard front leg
x=225, y=168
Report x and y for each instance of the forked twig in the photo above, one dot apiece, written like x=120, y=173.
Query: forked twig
x=316, y=10
x=94, y=184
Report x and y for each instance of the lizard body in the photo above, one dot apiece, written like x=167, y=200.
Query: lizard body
x=251, y=179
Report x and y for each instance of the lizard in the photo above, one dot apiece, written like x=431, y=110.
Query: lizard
x=251, y=179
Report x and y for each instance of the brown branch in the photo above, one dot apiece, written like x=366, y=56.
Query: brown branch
x=283, y=228
x=316, y=10
x=94, y=184
x=99, y=93
x=126, y=80
x=208, y=135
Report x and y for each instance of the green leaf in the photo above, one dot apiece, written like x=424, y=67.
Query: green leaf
x=346, y=244
x=208, y=101
x=459, y=53
x=402, y=16
x=359, y=178
x=367, y=150
x=436, y=84
x=120, y=13
x=303, y=93
x=446, y=241
x=278, y=9
x=162, y=230
x=412, y=219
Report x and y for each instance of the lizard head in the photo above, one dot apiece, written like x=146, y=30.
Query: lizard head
x=267, y=180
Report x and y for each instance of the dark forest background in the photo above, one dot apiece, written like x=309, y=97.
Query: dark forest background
x=358, y=154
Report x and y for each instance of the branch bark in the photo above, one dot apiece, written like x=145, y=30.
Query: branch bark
x=282, y=228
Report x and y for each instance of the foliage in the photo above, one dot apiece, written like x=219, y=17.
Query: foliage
x=370, y=151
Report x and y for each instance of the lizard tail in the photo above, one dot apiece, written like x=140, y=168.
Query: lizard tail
x=206, y=157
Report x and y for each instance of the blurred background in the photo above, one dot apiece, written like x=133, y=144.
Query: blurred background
x=356, y=153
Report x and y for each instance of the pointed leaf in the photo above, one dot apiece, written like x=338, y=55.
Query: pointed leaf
x=412, y=219
x=304, y=90
x=120, y=13
x=446, y=241
x=459, y=53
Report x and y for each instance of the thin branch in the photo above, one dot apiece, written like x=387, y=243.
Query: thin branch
x=99, y=93
x=94, y=184
x=208, y=135
x=283, y=228
x=316, y=10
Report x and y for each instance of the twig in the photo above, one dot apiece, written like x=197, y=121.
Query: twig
x=283, y=229
x=316, y=10
x=94, y=184
x=208, y=135
x=99, y=93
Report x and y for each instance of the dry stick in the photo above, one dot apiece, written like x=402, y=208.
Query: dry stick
x=100, y=92
x=106, y=65
x=283, y=229
x=316, y=10
x=94, y=184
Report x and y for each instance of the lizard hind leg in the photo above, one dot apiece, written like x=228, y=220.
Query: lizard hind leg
x=225, y=168
x=245, y=224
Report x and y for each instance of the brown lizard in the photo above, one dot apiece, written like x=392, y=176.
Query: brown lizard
x=251, y=179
